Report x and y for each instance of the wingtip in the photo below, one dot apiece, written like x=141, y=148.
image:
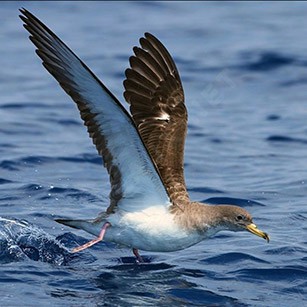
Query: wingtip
x=25, y=15
x=24, y=12
x=147, y=34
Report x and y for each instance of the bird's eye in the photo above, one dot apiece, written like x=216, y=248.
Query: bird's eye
x=239, y=218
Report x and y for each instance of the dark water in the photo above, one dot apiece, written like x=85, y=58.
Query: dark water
x=244, y=69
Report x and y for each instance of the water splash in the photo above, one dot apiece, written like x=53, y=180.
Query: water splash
x=21, y=240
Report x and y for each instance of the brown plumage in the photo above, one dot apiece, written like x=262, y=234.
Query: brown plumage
x=153, y=89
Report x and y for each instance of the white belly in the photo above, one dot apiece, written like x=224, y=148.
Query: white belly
x=152, y=229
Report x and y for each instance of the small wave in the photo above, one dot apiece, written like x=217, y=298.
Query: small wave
x=273, y=117
x=206, y=190
x=285, y=139
x=298, y=217
x=129, y=263
x=234, y=201
x=277, y=274
x=5, y=181
x=24, y=105
x=68, y=122
x=201, y=297
x=30, y=161
x=89, y=158
x=293, y=82
x=267, y=60
x=232, y=258
x=45, y=192
x=286, y=250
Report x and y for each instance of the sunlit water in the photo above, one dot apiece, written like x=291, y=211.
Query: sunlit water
x=244, y=70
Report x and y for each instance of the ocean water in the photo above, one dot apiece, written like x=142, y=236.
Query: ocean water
x=244, y=71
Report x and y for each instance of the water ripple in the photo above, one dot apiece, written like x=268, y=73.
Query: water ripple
x=5, y=181
x=268, y=60
x=234, y=257
x=234, y=201
x=287, y=273
x=286, y=139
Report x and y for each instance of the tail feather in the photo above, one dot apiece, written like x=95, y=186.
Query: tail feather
x=90, y=226
x=72, y=223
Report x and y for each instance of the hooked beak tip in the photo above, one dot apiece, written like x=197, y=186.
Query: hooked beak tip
x=253, y=229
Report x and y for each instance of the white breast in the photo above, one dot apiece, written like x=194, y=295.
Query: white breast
x=152, y=229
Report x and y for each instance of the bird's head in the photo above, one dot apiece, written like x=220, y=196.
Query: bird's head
x=235, y=218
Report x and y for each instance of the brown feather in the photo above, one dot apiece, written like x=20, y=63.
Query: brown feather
x=153, y=89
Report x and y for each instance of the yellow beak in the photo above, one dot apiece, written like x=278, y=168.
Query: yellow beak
x=253, y=229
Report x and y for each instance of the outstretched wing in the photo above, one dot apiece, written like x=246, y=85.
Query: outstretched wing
x=153, y=89
x=135, y=182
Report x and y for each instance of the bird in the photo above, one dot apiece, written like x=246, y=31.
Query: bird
x=142, y=151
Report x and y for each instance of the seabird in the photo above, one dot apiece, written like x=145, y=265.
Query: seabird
x=150, y=208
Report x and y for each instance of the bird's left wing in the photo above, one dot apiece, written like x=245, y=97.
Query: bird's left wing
x=135, y=182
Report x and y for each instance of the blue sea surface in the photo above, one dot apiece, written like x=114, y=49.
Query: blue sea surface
x=244, y=71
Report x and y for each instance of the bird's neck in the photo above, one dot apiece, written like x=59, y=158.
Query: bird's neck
x=201, y=217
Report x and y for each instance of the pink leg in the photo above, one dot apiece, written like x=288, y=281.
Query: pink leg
x=94, y=241
x=137, y=255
